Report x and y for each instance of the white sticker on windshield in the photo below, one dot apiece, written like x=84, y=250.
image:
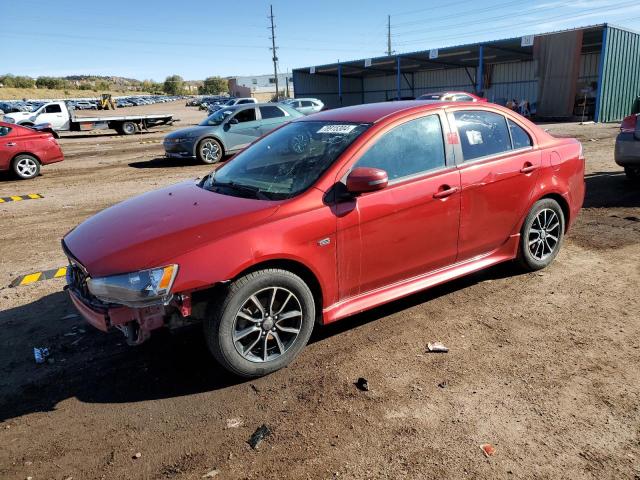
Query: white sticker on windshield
x=474, y=137
x=341, y=129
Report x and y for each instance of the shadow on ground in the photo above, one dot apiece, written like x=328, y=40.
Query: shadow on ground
x=610, y=189
x=99, y=368
x=164, y=162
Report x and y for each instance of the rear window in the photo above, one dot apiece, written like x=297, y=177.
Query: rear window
x=519, y=137
x=482, y=133
x=271, y=111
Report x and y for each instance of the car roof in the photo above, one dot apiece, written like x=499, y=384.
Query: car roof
x=374, y=112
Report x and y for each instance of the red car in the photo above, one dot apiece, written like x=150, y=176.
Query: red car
x=327, y=216
x=23, y=150
x=452, y=97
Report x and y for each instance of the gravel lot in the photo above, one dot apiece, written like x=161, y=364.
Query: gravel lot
x=542, y=366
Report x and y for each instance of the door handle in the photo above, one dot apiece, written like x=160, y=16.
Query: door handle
x=10, y=144
x=445, y=191
x=528, y=168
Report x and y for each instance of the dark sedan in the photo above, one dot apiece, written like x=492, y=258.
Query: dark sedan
x=227, y=131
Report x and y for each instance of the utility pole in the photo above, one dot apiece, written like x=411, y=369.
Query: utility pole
x=389, y=52
x=273, y=49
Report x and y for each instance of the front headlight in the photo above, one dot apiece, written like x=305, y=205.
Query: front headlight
x=137, y=289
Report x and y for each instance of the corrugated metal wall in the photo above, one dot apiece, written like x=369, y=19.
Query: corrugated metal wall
x=620, y=80
x=325, y=88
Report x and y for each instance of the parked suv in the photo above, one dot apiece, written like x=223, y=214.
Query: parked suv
x=325, y=217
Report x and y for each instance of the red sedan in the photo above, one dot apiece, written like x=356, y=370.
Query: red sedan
x=325, y=217
x=23, y=150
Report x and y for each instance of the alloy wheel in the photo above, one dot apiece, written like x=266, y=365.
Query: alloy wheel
x=210, y=151
x=544, y=234
x=299, y=143
x=267, y=324
x=26, y=167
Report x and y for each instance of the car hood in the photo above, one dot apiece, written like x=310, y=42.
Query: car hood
x=19, y=115
x=190, y=132
x=153, y=228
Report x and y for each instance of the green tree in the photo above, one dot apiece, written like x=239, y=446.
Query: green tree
x=102, y=85
x=173, y=85
x=214, y=86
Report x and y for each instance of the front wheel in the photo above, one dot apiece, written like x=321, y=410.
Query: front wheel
x=26, y=167
x=209, y=151
x=541, y=235
x=262, y=322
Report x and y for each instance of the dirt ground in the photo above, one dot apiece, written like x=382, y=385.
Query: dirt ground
x=542, y=366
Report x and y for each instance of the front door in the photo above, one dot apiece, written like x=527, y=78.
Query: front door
x=8, y=146
x=498, y=169
x=246, y=130
x=410, y=227
x=54, y=115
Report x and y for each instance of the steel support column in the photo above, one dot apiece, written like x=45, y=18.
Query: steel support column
x=340, y=84
x=398, y=77
x=480, y=71
x=603, y=54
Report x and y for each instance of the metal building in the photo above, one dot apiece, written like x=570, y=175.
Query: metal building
x=592, y=70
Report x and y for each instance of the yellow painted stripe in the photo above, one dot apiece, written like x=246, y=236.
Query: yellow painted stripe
x=34, y=195
x=1, y=200
x=61, y=272
x=16, y=198
x=34, y=277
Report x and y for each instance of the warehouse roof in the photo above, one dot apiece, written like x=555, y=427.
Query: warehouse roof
x=458, y=56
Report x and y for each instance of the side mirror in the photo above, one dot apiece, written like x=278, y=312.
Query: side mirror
x=233, y=121
x=365, y=179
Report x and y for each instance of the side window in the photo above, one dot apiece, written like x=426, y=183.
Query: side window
x=519, y=137
x=463, y=98
x=411, y=148
x=4, y=131
x=482, y=133
x=247, y=115
x=271, y=111
x=306, y=103
x=52, y=109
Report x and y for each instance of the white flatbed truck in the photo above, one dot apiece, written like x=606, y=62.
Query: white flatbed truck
x=61, y=119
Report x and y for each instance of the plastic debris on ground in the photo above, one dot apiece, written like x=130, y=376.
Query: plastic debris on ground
x=234, y=422
x=436, y=347
x=260, y=434
x=488, y=449
x=362, y=384
x=211, y=474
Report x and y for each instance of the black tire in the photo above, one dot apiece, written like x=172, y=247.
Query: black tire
x=25, y=167
x=633, y=174
x=128, y=128
x=538, y=250
x=223, y=319
x=209, y=151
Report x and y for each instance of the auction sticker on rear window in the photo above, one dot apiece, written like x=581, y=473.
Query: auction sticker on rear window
x=341, y=129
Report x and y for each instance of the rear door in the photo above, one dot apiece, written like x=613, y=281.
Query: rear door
x=241, y=134
x=499, y=167
x=272, y=117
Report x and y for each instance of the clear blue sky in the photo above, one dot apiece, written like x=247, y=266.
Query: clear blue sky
x=198, y=38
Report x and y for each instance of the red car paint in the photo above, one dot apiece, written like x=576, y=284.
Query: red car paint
x=19, y=140
x=361, y=252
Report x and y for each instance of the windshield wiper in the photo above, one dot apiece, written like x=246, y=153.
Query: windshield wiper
x=259, y=194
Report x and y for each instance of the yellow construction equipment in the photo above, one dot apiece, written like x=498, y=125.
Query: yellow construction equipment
x=106, y=102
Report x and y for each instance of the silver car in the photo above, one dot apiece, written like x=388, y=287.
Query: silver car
x=627, y=153
x=306, y=106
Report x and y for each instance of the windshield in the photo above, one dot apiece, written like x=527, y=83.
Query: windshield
x=217, y=118
x=230, y=102
x=286, y=162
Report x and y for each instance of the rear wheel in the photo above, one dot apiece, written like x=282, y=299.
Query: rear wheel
x=261, y=323
x=26, y=167
x=633, y=174
x=209, y=151
x=128, y=128
x=541, y=235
